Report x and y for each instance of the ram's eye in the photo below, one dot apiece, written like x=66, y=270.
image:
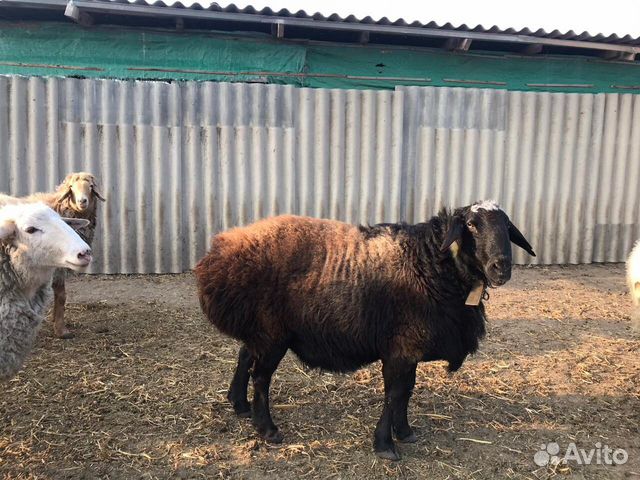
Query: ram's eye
x=31, y=230
x=470, y=224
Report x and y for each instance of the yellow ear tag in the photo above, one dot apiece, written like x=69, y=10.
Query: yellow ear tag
x=475, y=295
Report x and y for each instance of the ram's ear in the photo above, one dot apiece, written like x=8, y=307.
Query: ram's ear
x=517, y=238
x=454, y=233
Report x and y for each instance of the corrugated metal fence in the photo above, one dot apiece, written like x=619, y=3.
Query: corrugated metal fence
x=181, y=161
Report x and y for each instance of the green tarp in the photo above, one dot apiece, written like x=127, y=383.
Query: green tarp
x=42, y=48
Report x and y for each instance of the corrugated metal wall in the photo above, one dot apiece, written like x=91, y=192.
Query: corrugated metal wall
x=181, y=161
x=564, y=166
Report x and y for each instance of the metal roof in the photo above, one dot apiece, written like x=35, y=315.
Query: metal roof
x=352, y=19
x=625, y=47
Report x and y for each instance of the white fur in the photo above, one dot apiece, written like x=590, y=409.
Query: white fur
x=27, y=263
x=633, y=278
x=485, y=205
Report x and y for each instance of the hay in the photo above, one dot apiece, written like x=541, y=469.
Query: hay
x=140, y=392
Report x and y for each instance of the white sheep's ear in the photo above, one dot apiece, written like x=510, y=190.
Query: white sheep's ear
x=76, y=223
x=7, y=228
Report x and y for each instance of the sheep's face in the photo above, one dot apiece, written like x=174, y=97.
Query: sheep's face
x=43, y=238
x=484, y=232
x=82, y=191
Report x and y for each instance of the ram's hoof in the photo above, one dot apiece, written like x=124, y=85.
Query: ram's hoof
x=273, y=436
x=242, y=409
x=389, y=454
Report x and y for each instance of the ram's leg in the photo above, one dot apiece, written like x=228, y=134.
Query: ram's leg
x=400, y=395
x=263, y=368
x=399, y=378
x=60, y=330
x=237, y=394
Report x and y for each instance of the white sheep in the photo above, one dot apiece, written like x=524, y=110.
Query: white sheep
x=633, y=281
x=34, y=241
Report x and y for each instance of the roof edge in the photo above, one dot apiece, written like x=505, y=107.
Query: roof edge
x=80, y=10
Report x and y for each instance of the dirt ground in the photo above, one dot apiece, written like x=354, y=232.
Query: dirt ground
x=140, y=392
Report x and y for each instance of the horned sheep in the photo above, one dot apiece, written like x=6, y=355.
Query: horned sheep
x=342, y=296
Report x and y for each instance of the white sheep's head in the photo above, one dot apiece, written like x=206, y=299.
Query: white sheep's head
x=81, y=188
x=42, y=237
